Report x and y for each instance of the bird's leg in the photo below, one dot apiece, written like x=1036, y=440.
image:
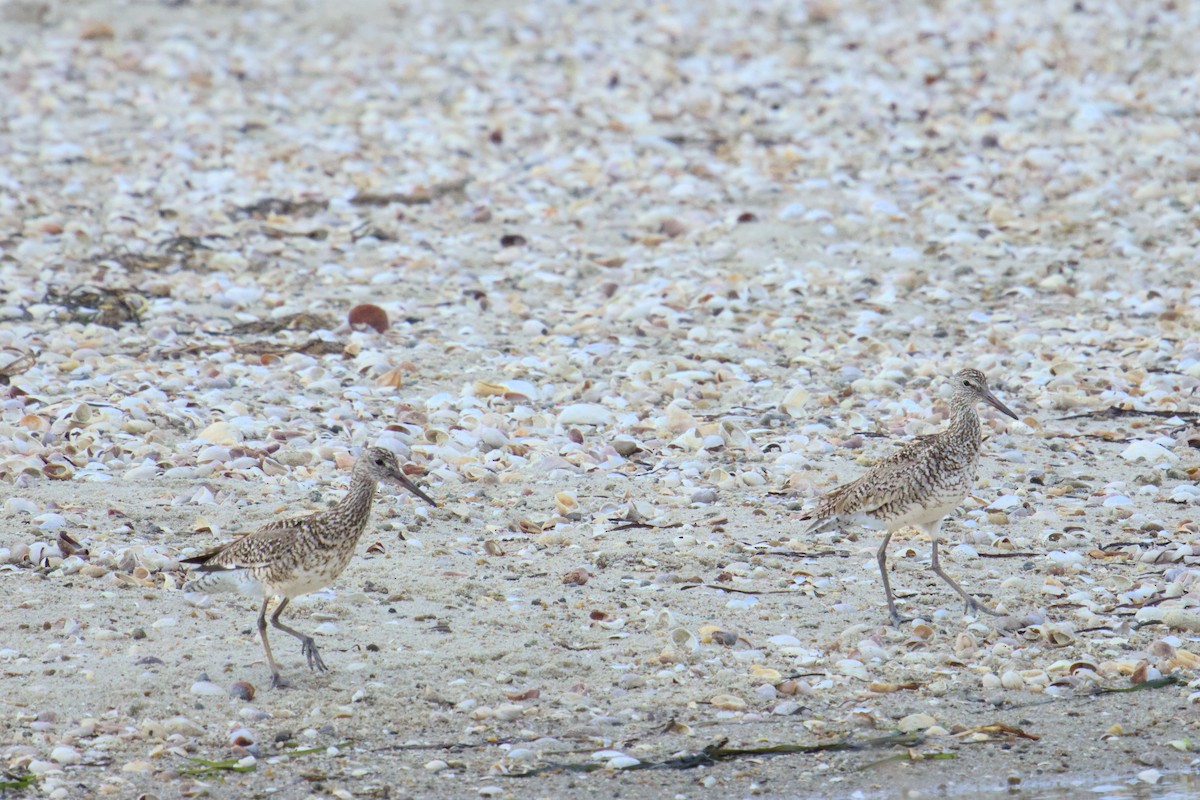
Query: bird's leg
x=881, y=557
x=971, y=603
x=277, y=681
x=309, y=647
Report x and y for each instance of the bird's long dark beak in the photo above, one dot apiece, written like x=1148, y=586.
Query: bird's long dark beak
x=995, y=403
x=402, y=479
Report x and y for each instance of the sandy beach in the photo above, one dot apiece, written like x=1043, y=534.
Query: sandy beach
x=655, y=276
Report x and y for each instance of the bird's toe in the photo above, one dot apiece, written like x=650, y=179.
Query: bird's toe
x=976, y=606
x=313, y=655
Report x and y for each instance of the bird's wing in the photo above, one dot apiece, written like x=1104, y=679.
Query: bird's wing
x=885, y=483
x=251, y=551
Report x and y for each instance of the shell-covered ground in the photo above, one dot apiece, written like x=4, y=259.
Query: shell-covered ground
x=656, y=276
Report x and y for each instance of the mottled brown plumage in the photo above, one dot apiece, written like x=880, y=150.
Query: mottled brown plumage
x=919, y=485
x=292, y=557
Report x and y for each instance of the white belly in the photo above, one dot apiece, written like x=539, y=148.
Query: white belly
x=302, y=584
x=918, y=515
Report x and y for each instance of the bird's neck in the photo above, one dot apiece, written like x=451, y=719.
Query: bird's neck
x=964, y=420
x=351, y=513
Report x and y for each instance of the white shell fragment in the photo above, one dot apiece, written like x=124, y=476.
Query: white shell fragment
x=794, y=403
x=584, y=414
x=1147, y=451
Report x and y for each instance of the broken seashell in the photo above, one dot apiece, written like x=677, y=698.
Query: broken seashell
x=685, y=640
x=38, y=553
x=567, y=505
x=1185, y=659
x=394, y=378
x=678, y=419
x=436, y=436
x=57, y=471
x=728, y=702
x=68, y=546
x=793, y=403
x=1054, y=635
x=488, y=389
x=34, y=423
x=765, y=674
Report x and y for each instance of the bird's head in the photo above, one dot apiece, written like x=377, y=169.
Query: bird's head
x=380, y=464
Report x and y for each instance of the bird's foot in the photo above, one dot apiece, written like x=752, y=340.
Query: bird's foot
x=898, y=620
x=974, y=605
x=279, y=682
x=313, y=655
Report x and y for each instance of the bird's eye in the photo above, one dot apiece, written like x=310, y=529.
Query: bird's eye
x=966, y=382
x=379, y=461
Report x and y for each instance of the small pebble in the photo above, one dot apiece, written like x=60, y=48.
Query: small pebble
x=916, y=722
x=766, y=692
x=65, y=755
x=786, y=708
x=1012, y=679
x=509, y=712
x=183, y=726
x=207, y=689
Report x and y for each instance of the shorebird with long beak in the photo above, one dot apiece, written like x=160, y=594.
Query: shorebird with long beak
x=919, y=485
x=293, y=557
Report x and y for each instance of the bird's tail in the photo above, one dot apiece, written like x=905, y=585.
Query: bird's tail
x=226, y=580
x=842, y=521
x=821, y=524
